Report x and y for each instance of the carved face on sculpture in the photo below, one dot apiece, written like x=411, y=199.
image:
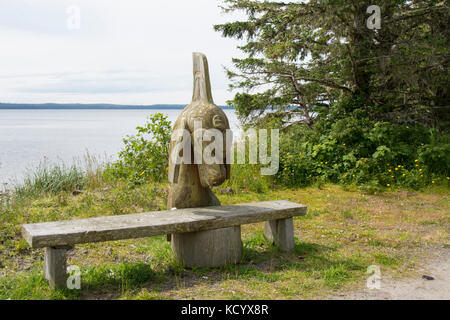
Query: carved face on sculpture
x=213, y=169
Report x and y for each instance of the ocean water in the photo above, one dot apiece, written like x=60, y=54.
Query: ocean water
x=29, y=137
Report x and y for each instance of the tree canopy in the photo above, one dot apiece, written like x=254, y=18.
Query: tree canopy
x=304, y=58
x=359, y=88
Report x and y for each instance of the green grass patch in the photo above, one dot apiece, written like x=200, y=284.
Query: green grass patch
x=386, y=260
x=342, y=234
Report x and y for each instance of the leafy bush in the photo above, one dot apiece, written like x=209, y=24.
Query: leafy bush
x=352, y=149
x=145, y=155
x=436, y=155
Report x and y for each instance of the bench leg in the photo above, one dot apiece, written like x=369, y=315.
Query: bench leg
x=209, y=248
x=55, y=266
x=280, y=232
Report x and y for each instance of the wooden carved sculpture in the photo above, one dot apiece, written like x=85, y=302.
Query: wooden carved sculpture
x=191, y=182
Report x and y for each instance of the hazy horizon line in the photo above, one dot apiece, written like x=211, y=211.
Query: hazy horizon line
x=91, y=106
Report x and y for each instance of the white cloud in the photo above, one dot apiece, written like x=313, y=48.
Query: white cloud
x=126, y=51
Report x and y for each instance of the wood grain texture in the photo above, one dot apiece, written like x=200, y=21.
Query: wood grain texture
x=209, y=248
x=281, y=233
x=55, y=265
x=63, y=233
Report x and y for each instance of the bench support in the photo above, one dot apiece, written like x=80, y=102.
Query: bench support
x=210, y=248
x=55, y=266
x=280, y=232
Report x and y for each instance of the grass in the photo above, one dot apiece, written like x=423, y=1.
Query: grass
x=343, y=233
x=57, y=177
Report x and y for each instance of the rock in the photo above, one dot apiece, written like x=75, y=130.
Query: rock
x=427, y=277
x=77, y=192
x=227, y=190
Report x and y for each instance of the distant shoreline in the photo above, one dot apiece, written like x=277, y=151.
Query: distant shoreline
x=99, y=106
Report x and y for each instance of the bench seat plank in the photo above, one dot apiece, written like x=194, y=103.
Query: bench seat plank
x=67, y=233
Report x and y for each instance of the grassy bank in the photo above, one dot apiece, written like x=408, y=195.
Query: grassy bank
x=344, y=232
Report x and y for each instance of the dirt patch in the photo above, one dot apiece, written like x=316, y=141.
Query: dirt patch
x=415, y=288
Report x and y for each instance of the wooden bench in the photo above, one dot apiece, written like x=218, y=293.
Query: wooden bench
x=58, y=237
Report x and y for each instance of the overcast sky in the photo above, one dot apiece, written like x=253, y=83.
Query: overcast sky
x=125, y=51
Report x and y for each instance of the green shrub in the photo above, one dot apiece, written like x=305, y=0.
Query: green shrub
x=145, y=155
x=352, y=149
x=436, y=155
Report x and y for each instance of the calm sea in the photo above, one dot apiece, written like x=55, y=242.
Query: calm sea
x=28, y=137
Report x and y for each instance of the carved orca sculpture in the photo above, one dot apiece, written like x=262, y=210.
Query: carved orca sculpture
x=191, y=182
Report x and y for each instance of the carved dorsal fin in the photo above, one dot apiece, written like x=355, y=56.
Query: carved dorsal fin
x=202, y=84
